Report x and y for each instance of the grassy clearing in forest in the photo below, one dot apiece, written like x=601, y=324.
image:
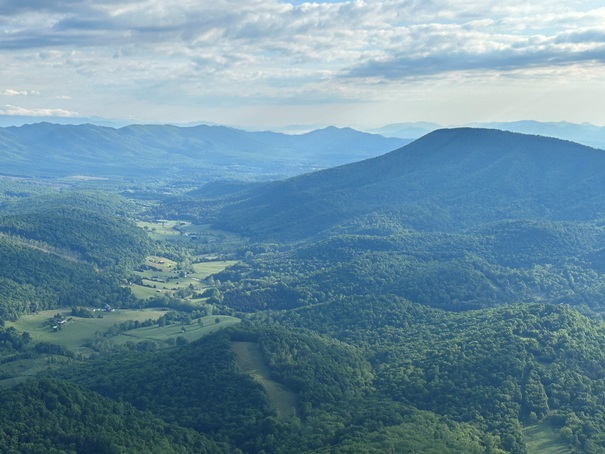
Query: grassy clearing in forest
x=205, y=269
x=15, y=372
x=251, y=361
x=74, y=333
x=194, y=331
x=186, y=232
x=543, y=439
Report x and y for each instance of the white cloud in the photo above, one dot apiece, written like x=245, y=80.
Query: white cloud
x=21, y=111
x=121, y=54
x=11, y=92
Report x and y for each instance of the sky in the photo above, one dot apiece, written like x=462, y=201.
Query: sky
x=268, y=64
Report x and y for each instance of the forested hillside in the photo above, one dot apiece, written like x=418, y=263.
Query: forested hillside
x=461, y=219
x=82, y=233
x=56, y=254
x=196, y=387
x=55, y=417
x=200, y=387
x=499, y=369
x=501, y=263
x=446, y=181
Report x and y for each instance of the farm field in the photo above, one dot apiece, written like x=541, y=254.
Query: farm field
x=205, y=269
x=77, y=331
x=164, y=276
x=162, y=334
x=186, y=232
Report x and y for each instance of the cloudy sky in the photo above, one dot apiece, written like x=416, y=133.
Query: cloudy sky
x=270, y=63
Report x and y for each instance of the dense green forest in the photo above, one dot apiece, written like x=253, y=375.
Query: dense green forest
x=200, y=387
x=106, y=242
x=497, y=369
x=196, y=386
x=447, y=297
x=56, y=417
x=504, y=262
x=56, y=254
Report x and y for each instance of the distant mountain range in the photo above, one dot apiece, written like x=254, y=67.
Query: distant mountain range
x=212, y=152
x=448, y=180
x=20, y=120
x=205, y=152
x=584, y=133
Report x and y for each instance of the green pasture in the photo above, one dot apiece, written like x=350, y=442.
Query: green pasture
x=184, y=231
x=75, y=333
x=78, y=331
x=141, y=292
x=205, y=269
x=543, y=439
x=162, y=268
x=190, y=332
x=205, y=233
x=161, y=264
x=162, y=230
x=166, y=278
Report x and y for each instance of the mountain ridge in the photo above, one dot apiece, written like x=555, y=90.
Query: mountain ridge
x=144, y=151
x=436, y=182
x=584, y=133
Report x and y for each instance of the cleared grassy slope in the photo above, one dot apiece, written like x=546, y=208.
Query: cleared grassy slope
x=250, y=360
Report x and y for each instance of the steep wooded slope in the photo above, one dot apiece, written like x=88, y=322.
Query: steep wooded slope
x=66, y=251
x=55, y=417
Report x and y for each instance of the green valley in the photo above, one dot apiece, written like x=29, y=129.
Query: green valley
x=447, y=297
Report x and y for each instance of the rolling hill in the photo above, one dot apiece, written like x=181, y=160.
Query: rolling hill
x=56, y=417
x=60, y=250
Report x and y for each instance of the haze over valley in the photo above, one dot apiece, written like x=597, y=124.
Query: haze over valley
x=287, y=227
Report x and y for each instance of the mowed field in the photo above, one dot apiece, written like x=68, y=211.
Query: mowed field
x=165, y=277
x=163, y=334
x=77, y=331
x=251, y=361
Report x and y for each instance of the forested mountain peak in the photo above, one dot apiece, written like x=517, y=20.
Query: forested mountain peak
x=468, y=149
x=448, y=180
